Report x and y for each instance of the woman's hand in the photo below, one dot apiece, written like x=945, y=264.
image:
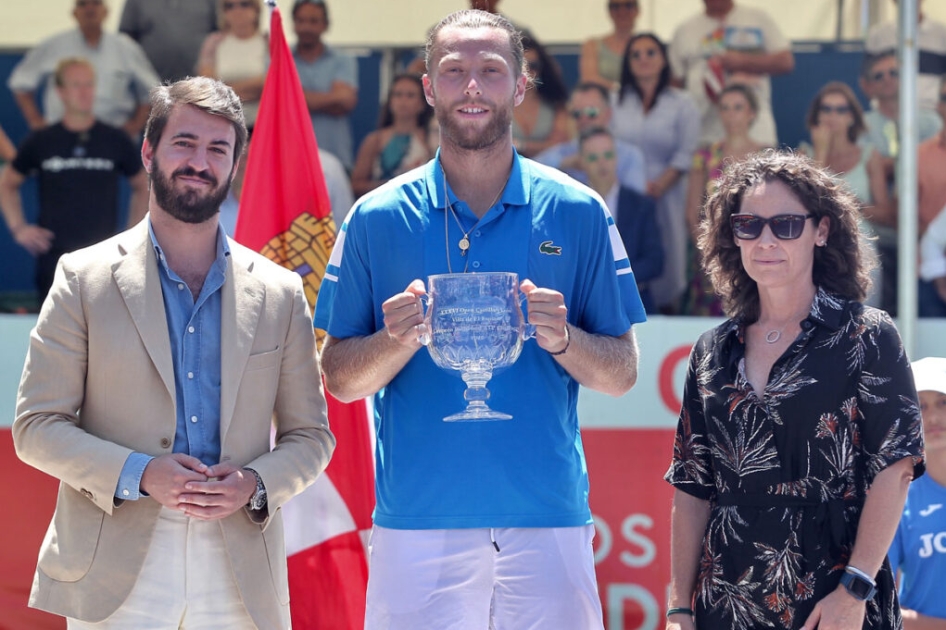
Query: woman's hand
x=680, y=622
x=837, y=611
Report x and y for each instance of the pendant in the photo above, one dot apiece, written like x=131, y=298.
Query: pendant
x=772, y=336
x=464, y=245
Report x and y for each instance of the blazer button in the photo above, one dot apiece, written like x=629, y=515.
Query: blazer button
x=86, y=494
x=165, y=442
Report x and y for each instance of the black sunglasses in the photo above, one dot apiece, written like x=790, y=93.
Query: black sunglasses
x=640, y=54
x=590, y=112
x=785, y=227
x=229, y=6
x=893, y=73
x=836, y=109
x=617, y=6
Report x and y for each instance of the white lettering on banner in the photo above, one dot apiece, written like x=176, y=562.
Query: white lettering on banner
x=631, y=535
x=620, y=593
x=602, y=534
x=931, y=542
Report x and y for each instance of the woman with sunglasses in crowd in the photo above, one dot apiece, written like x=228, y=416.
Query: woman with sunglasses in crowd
x=835, y=121
x=400, y=142
x=540, y=121
x=238, y=54
x=664, y=123
x=737, y=106
x=792, y=409
x=601, y=57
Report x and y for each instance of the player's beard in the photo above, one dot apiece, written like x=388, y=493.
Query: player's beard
x=469, y=136
x=189, y=205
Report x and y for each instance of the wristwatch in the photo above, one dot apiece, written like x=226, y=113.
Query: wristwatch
x=858, y=584
x=258, y=498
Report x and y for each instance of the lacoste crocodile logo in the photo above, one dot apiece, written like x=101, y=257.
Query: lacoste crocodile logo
x=546, y=247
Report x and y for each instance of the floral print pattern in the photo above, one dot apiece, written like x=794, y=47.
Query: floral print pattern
x=786, y=473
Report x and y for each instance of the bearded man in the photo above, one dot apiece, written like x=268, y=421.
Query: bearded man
x=157, y=365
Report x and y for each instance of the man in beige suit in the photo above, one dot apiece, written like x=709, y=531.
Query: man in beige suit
x=153, y=375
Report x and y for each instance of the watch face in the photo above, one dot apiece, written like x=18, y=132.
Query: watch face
x=857, y=586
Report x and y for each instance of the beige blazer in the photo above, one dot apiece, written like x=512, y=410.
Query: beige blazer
x=99, y=383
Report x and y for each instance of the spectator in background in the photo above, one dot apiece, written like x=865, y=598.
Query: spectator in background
x=79, y=162
x=738, y=109
x=170, y=32
x=238, y=53
x=835, y=122
x=601, y=57
x=917, y=550
x=590, y=107
x=123, y=73
x=932, y=289
x=633, y=212
x=329, y=79
x=400, y=143
x=663, y=121
x=931, y=176
x=730, y=44
x=880, y=81
x=540, y=121
x=931, y=167
x=931, y=39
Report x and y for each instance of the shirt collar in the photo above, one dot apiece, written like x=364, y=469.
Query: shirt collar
x=517, y=192
x=223, y=247
x=826, y=310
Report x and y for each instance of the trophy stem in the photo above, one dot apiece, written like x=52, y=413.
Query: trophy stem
x=476, y=374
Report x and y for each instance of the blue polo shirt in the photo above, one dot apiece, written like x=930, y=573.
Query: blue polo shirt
x=526, y=472
x=919, y=548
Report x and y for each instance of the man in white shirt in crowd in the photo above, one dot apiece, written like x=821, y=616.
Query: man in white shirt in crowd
x=725, y=44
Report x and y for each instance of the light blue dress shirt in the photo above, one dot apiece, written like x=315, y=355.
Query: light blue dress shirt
x=630, y=163
x=194, y=329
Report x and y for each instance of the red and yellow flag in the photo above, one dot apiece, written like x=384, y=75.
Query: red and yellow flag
x=285, y=214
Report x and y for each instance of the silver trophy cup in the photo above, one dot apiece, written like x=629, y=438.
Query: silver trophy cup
x=475, y=327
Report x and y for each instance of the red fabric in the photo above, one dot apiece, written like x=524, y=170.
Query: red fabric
x=31, y=498
x=317, y=602
x=286, y=215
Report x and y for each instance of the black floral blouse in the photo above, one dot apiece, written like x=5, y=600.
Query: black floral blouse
x=787, y=473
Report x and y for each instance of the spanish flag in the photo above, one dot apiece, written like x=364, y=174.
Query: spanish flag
x=285, y=214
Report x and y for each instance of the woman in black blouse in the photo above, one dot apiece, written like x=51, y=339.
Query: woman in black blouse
x=792, y=410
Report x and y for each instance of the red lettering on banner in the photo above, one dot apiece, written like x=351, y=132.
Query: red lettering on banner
x=665, y=377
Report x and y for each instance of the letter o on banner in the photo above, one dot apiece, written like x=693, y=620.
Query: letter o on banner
x=665, y=378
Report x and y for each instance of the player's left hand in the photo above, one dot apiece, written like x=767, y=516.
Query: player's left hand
x=837, y=611
x=547, y=312
x=227, y=490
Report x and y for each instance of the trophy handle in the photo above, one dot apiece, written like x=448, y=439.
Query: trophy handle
x=528, y=331
x=423, y=330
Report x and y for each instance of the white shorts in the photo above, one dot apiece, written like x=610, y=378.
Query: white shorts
x=479, y=579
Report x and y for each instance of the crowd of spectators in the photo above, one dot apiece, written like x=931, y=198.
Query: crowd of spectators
x=672, y=114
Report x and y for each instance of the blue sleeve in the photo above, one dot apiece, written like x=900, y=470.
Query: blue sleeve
x=344, y=307
x=129, y=481
x=609, y=266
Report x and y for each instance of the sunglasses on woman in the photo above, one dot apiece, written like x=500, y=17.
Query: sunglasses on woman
x=229, y=6
x=785, y=227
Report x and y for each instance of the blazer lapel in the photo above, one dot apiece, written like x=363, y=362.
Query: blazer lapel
x=136, y=275
x=242, y=304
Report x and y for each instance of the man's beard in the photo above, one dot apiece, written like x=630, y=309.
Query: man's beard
x=189, y=206
x=466, y=136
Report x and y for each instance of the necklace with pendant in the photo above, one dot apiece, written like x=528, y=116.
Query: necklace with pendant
x=464, y=242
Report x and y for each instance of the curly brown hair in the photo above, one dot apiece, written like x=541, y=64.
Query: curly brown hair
x=842, y=267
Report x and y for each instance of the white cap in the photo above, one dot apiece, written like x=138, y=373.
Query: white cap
x=929, y=374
